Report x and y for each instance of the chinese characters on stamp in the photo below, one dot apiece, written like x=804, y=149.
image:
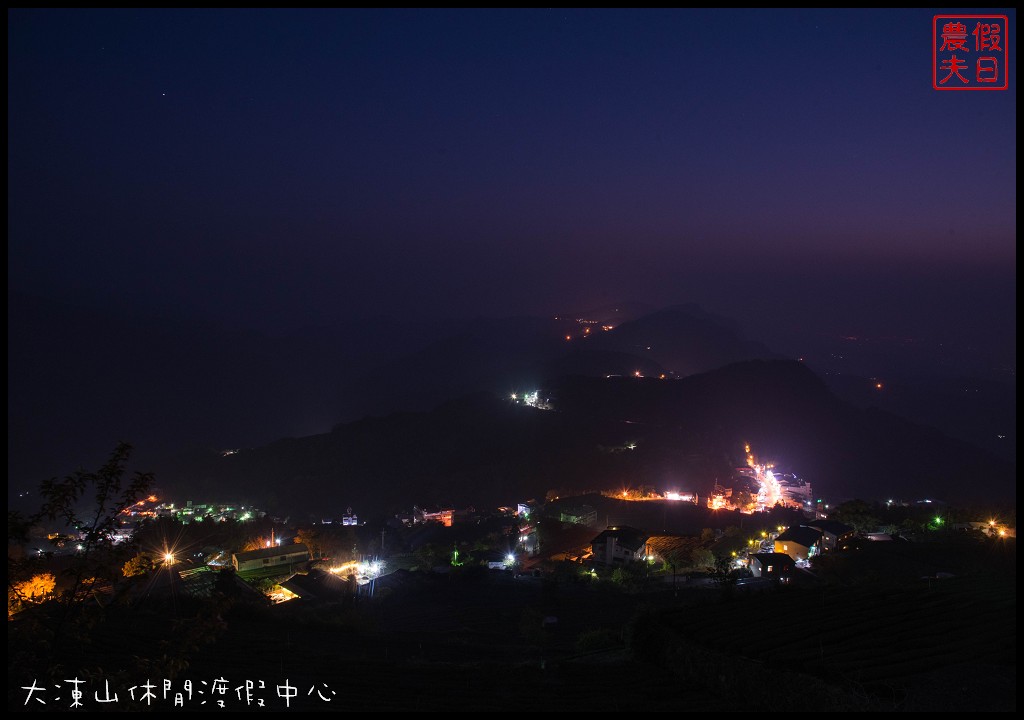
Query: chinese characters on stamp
x=969, y=52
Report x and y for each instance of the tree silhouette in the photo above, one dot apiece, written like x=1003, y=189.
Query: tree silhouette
x=91, y=505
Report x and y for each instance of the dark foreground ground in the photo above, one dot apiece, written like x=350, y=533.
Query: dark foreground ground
x=882, y=629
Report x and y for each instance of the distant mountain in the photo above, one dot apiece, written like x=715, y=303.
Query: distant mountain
x=494, y=355
x=789, y=416
x=81, y=379
x=683, y=339
x=614, y=314
x=983, y=412
x=515, y=354
x=606, y=433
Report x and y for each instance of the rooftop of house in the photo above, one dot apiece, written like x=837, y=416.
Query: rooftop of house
x=831, y=526
x=275, y=551
x=766, y=559
x=665, y=545
x=624, y=535
x=802, y=535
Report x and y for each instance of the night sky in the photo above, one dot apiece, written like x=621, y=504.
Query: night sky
x=279, y=168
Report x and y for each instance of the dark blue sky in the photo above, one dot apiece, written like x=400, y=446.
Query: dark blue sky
x=282, y=168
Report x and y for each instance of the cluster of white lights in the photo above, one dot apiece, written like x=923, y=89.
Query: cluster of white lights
x=369, y=570
x=678, y=496
x=532, y=399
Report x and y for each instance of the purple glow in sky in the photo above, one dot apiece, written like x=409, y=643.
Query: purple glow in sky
x=275, y=168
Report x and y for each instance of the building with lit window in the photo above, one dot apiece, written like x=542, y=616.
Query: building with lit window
x=619, y=544
x=580, y=515
x=776, y=566
x=834, y=534
x=799, y=543
x=281, y=556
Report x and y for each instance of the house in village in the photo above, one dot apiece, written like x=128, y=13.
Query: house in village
x=619, y=544
x=580, y=515
x=834, y=534
x=799, y=543
x=318, y=586
x=282, y=556
x=775, y=566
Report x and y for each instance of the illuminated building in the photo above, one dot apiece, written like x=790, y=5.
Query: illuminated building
x=772, y=565
x=276, y=556
x=619, y=544
x=834, y=534
x=799, y=543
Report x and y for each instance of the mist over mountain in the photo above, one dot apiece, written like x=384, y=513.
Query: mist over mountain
x=420, y=407
x=977, y=410
x=603, y=434
x=513, y=354
x=683, y=339
x=81, y=378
